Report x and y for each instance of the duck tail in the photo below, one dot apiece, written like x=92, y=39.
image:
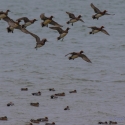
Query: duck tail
x=93, y=16
x=90, y=32
x=9, y=30
x=58, y=38
x=43, y=25
x=23, y=26
x=70, y=58
x=68, y=22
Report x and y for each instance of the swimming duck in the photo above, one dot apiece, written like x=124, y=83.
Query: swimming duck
x=102, y=122
x=99, y=13
x=35, y=104
x=112, y=123
x=47, y=21
x=53, y=123
x=73, y=18
x=34, y=121
x=60, y=94
x=43, y=119
x=27, y=21
x=3, y=14
x=74, y=91
x=62, y=32
x=3, y=118
x=51, y=89
x=53, y=97
x=24, y=89
x=39, y=43
x=78, y=54
x=37, y=93
x=10, y=104
x=67, y=108
x=43, y=17
x=96, y=30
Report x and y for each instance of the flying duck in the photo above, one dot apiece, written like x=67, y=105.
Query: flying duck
x=98, y=12
x=43, y=17
x=79, y=54
x=73, y=18
x=96, y=30
x=62, y=32
x=47, y=21
x=26, y=21
x=39, y=43
x=14, y=25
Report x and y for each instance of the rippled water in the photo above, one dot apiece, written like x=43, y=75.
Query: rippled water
x=100, y=85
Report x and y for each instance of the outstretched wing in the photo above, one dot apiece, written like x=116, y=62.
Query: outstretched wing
x=104, y=31
x=23, y=18
x=81, y=20
x=84, y=57
x=95, y=8
x=43, y=17
x=93, y=27
x=73, y=53
x=35, y=36
x=55, y=23
x=71, y=15
x=58, y=29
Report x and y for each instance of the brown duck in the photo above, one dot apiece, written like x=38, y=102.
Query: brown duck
x=39, y=43
x=26, y=21
x=96, y=30
x=47, y=21
x=62, y=32
x=73, y=18
x=43, y=17
x=98, y=12
x=78, y=54
x=35, y=104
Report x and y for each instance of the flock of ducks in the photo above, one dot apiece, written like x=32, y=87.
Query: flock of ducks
x=49, y=20
x=39, y=43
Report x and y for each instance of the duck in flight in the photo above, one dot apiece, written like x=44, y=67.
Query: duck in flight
x=43, y=17
x=96, y=30
x=98, y=12
x=39, y=43
x=62, y=32
x=80, y=54
x=74, y=18
x=26, y=21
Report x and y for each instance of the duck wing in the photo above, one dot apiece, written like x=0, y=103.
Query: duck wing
x=35, y=36
x=84, y=57
x=104, y=31
x=23, y=18
x=73, y=53
x=58, y=29
x=55, y=23
x=96, y=10
x=108, y=14
x=81, y=20
x=71, y=15
x=43, y=17
x=93, y=27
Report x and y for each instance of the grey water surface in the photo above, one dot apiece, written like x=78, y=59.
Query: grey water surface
x=100, y=86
